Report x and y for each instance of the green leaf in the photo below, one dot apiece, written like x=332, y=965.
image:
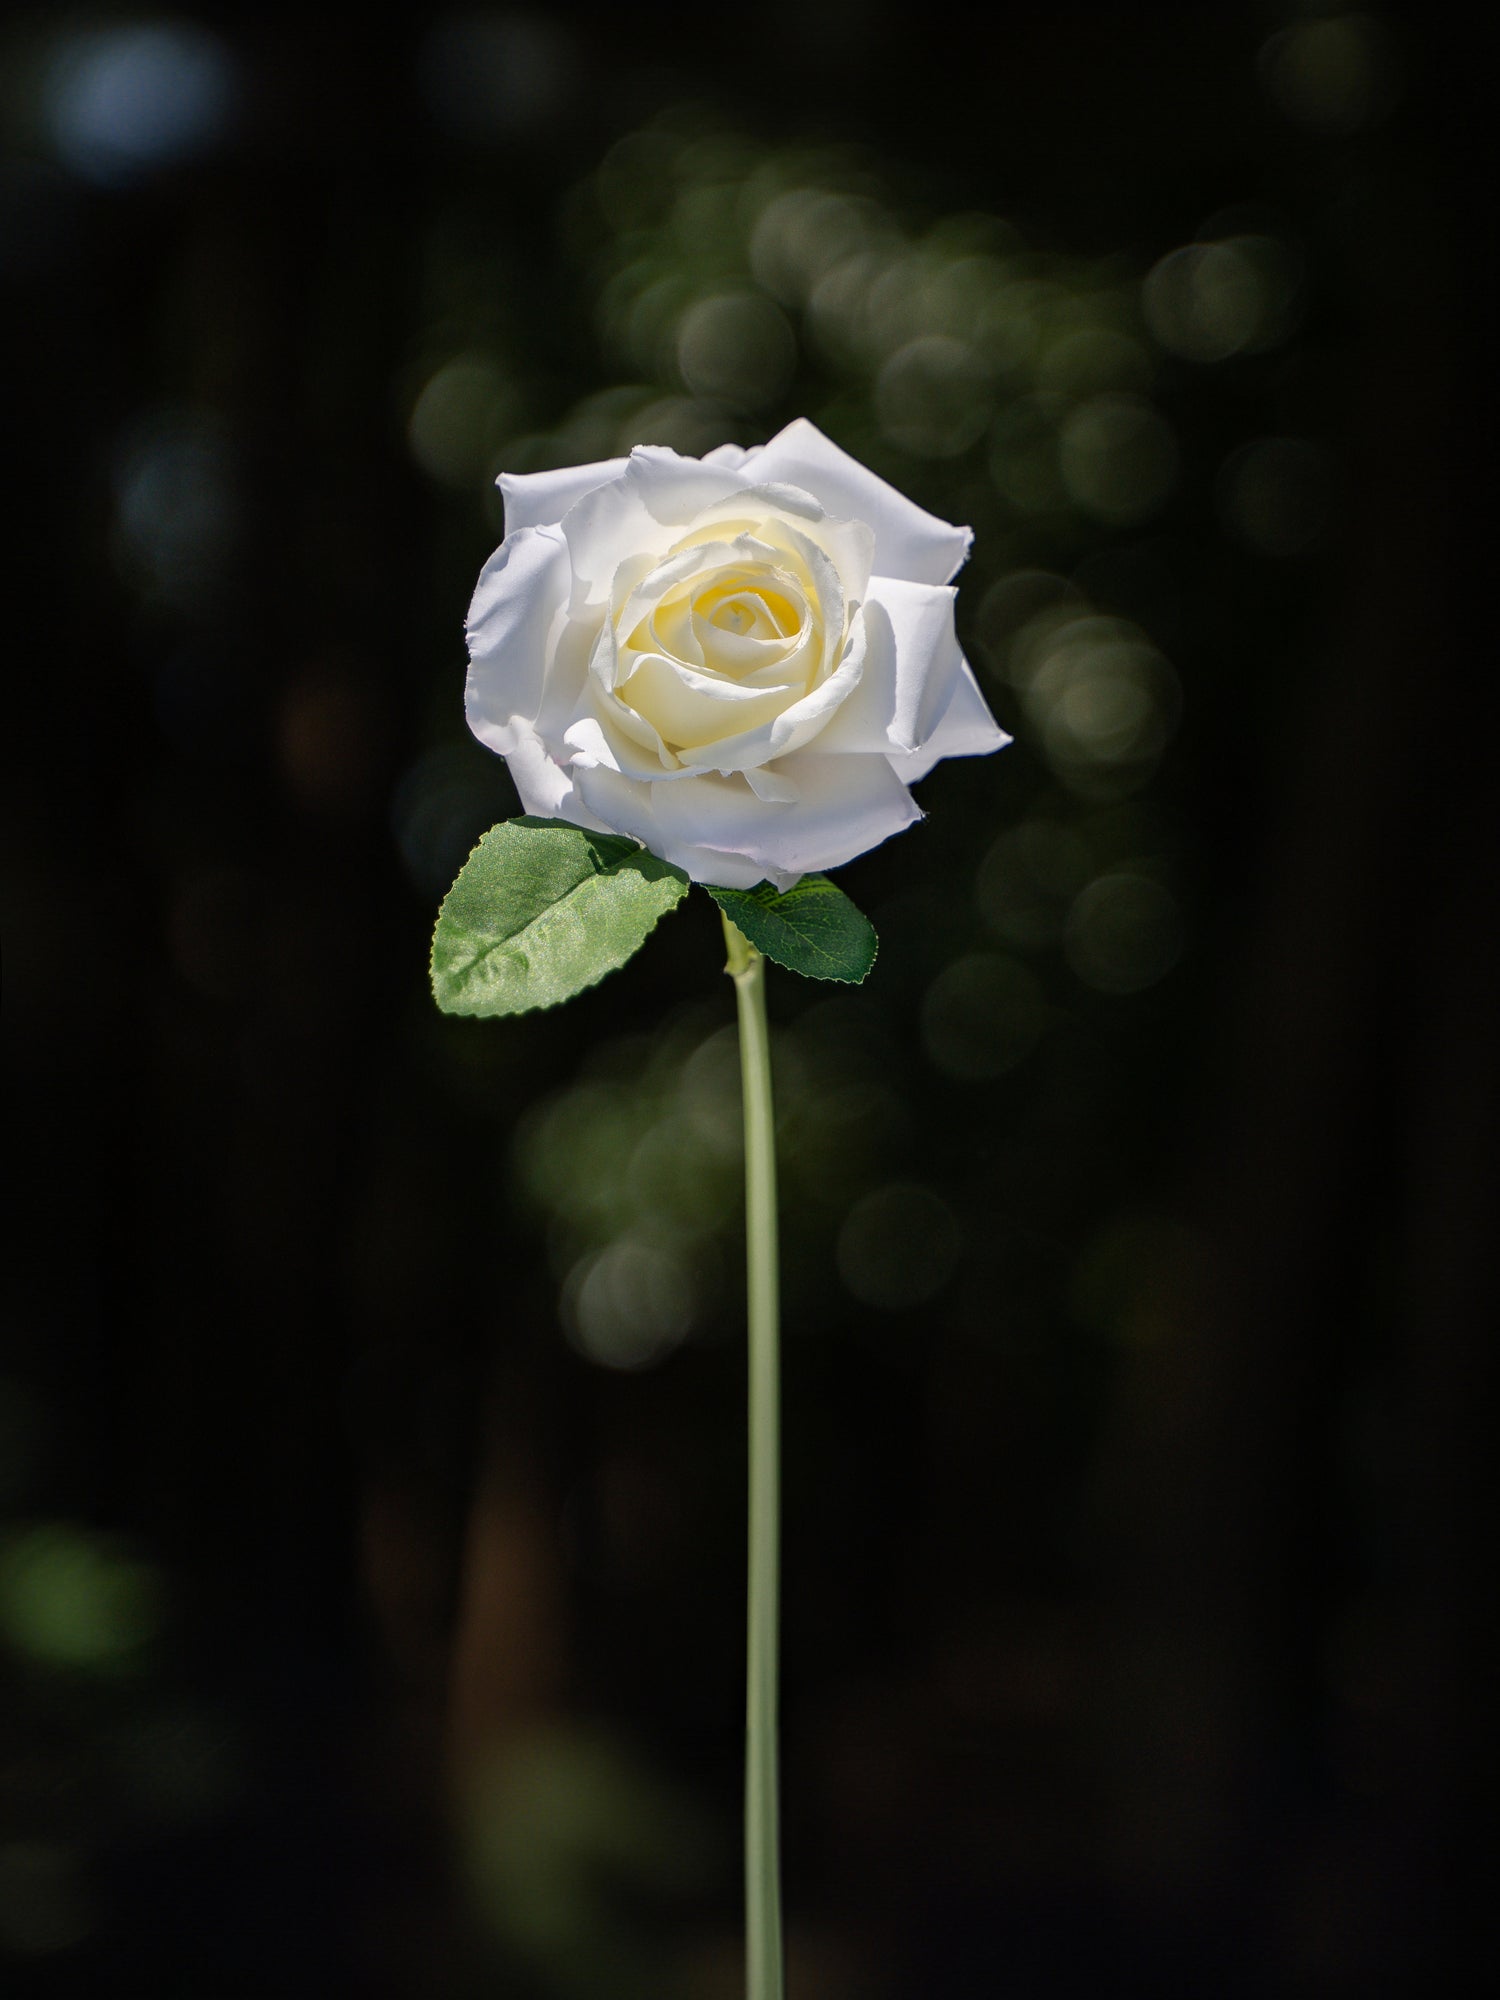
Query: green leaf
x=542, y=909
x=811, y=928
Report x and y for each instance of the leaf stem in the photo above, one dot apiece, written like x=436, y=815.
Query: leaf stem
x=763, y=1948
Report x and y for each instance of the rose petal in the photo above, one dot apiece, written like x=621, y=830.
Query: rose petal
x=599, y=740
x=520, y=597
x=547, y=790
x=673, y=628
x=786, y=665
x=791, y=723
x=691, y=710
x=736, y=654
x=716, y=828
x=635, y=514
x=540, y=499
x=635, y=597
x=626, y=807
x=849, y=544
x=909, y=542
x=967, y=729
x=845, y=806
x=772, y=785
x=911, y=668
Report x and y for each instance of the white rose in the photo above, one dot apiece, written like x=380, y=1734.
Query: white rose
x=742, y=661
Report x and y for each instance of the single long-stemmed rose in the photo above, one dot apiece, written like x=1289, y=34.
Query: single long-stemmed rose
x=725, y=670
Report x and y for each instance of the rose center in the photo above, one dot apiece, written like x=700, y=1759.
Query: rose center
x=713, y=661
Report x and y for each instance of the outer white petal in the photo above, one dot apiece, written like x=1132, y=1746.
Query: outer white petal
x=967, y=729
x=512, y=625
x=626, y=807
x=912, y=663
x=909, y=542
x=771, y=784
x=589, y=740
x=731, y=455
x=547, y=790
x=635, y=515
x=623, y=803
x=719, y=831
x=540, y=499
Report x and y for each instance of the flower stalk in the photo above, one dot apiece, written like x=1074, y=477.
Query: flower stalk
x=763, y=1945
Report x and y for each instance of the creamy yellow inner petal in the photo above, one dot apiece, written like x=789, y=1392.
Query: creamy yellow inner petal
x=749, y=610
x=727, y=646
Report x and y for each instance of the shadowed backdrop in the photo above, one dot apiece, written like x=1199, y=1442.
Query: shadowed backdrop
x=372, y=1415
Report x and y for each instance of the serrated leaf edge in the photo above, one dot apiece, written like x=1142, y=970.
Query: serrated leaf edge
x=832, y=978
x=504, y=944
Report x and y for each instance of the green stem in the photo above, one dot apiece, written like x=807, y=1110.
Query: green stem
x=763, y=1953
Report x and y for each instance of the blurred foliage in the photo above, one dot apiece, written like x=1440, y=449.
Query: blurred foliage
x=370, y=1608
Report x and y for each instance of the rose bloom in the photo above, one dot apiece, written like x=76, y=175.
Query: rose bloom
x=742, y=661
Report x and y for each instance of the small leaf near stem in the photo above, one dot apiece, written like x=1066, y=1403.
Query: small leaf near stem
x=763, y=1945
x=812, y=928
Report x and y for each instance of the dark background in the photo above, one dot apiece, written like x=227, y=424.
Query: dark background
x=372, y=1427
